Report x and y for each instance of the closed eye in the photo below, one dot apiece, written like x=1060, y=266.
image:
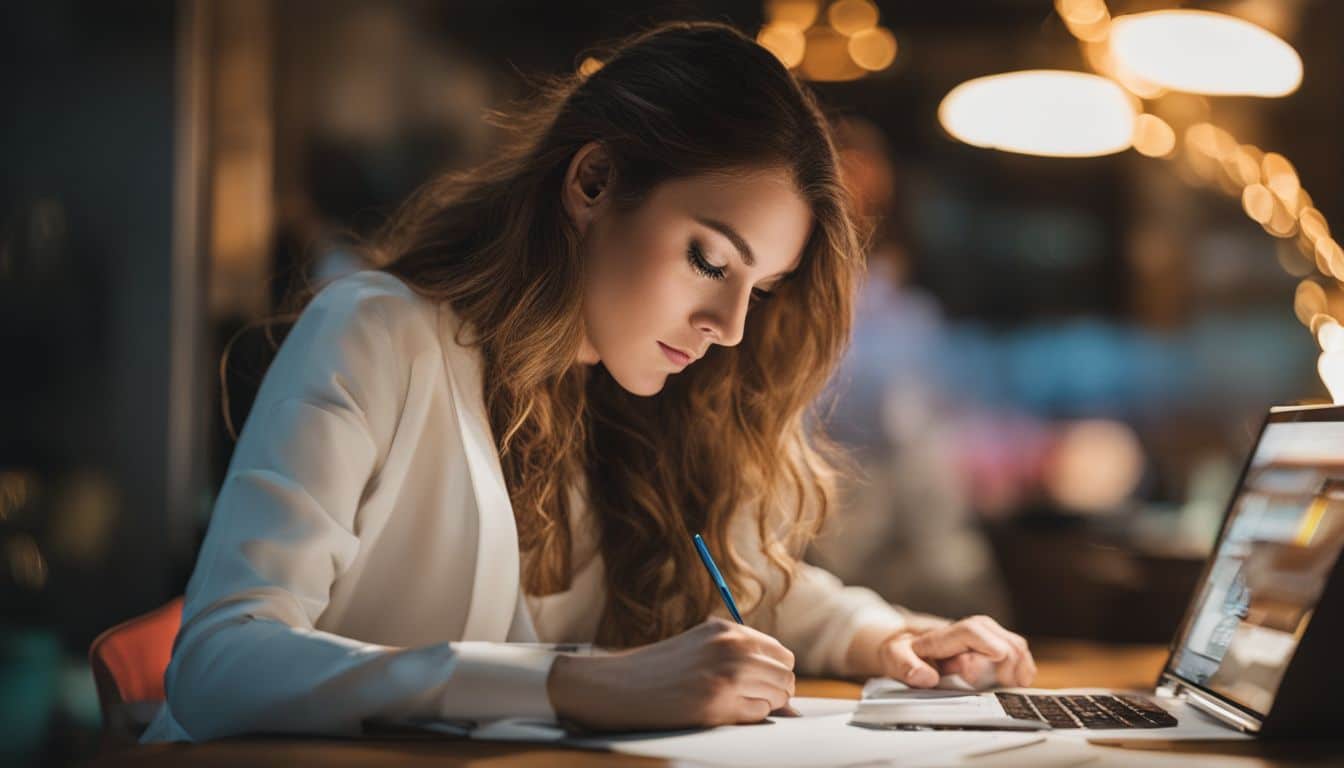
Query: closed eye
x=696, y=256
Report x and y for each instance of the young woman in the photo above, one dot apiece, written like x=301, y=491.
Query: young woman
x=573, y=359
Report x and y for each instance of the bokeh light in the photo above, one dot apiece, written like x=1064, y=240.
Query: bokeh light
x=784, y=39
x=827, y=57
x=873, y=49
x=1205, y=52
x=1258, y=202
x=849, y=17
x=1051, y=113
x=1153, y=136
x=1095, y=466
x=800, y=13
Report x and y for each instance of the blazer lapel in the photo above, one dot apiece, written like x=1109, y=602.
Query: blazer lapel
x=495, y=591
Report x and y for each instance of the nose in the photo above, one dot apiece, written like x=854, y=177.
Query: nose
x=725, y=320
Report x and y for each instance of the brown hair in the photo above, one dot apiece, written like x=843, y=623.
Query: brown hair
x=729, y=436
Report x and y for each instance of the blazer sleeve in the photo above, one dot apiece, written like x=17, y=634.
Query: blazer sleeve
x=248, y=657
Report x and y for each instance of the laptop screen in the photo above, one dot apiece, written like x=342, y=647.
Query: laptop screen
x=1278, y=547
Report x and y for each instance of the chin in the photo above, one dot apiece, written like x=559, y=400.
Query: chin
x=639, y=383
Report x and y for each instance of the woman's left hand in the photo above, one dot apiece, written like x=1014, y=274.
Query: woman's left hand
x=977, y=648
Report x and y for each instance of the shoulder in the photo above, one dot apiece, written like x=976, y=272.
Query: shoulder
x=375, y=314
x=375, y=311
x=370, y=295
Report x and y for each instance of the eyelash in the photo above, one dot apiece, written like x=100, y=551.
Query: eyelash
x=696, y=256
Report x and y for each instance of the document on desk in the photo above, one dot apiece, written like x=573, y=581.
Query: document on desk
x=822, y=736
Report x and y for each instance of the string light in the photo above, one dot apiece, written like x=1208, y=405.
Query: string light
x=846, y=46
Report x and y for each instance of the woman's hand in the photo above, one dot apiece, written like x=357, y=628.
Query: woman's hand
x=977, y=648
x=714, y=674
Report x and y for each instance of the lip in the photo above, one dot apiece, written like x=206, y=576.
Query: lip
x=678, y=357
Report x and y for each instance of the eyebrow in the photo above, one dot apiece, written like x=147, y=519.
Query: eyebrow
x=727, y=231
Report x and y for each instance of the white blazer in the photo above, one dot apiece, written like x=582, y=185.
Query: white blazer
x=362, y=559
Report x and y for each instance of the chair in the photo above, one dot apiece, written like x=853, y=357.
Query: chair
x=128, y=663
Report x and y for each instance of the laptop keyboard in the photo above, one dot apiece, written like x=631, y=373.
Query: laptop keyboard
x=1078, y=711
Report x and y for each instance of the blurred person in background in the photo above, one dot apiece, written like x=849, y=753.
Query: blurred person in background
x=483, y=442
x=905, y=525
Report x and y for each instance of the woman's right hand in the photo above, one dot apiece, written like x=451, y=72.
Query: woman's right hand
x=716, y=673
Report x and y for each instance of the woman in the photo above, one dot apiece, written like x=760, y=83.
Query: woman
x=573, y=359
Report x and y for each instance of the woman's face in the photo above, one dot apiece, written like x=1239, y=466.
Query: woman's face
x=679, y=273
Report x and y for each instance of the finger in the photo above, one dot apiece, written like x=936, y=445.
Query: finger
x=770, y=646
x=753, y=710
x=900, y=661
x=763, y=689
x=963, y=636
x=771, y=671
x=971, y=666
x=1019, y=667
x=1026, y=668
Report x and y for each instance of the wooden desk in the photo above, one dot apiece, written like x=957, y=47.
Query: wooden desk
x=1060, y=663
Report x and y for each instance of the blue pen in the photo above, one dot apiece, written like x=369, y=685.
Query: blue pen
x=717, y=577
x=786, y=710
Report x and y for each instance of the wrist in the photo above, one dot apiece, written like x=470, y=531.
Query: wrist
x=571, y=688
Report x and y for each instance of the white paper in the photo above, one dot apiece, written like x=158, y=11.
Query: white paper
x=821, y=737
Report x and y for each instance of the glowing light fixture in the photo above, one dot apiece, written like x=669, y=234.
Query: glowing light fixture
x=785, y=40
x=850, y=17
x=1153, y=136
x=1041, y=112
x=1205, y=52
x=873, y=49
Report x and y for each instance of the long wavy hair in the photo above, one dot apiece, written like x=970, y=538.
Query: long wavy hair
x=727, y=442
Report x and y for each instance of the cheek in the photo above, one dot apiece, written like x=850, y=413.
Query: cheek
x=634, y=290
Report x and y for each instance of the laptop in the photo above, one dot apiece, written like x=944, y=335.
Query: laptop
x=1255, y=651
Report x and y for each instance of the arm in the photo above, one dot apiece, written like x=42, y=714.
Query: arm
x=248, y=657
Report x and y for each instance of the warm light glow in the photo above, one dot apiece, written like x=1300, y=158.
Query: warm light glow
x=785, y=40
x=873, y=49
x=850, y=17
x=1308, y=301
x=1087, y=20
x=800, y=13
x=1243, y=165
x=1313, y=224
x=827, y=57
x=1330, y=365
x=1329, y=257
x=1081, y=11
x=589, y=66
x=1290, y=257
x=1330, y=335
x=1210, y=140
x=1098, y=55
x=1258, y=202
x=1041, y=112
x=1281, y=222
x=1281, y=178
x=1205, y=52
x=1095, y=466
x=1153, y=137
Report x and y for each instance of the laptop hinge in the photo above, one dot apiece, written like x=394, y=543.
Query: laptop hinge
x=1210, y=705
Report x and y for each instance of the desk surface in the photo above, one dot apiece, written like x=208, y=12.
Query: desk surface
x=1060, y=664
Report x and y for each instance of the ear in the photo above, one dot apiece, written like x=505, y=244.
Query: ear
x=586, y=182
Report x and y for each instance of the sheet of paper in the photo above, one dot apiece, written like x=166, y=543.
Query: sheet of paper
x=821, y=737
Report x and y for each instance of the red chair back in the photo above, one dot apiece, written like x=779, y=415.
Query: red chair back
x=128, y=663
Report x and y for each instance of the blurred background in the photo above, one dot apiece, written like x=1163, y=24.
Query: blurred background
x=1071, y=327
